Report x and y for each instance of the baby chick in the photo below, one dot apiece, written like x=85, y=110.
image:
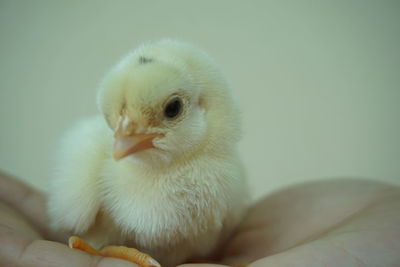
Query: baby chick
x=159, y=171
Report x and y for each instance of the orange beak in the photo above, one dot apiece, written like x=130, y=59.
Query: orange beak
x=127, y=141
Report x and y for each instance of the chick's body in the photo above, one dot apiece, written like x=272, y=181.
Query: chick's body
x=176, y=196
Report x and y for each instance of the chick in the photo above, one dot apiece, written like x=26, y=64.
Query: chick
x=159, y=171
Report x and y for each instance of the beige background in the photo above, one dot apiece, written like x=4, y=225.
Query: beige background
x=317, y=81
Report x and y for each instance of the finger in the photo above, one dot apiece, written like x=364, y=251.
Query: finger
x=28, y=201
x=51, y=254
x=12, y=220
x=201, y=265
x=17, y=250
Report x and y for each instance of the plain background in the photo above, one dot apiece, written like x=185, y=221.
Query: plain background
x=318, y=82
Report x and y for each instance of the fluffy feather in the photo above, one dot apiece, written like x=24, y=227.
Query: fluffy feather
x=175, y=201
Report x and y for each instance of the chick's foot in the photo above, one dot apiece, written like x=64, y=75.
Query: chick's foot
x=121, y=252
x=77, y=243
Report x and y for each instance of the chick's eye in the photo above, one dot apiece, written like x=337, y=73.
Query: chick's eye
x=173, y=108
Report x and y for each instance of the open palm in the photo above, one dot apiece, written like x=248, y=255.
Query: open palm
x=340, y=222
x=330, y=223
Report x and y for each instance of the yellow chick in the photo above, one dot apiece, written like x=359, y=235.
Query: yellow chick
x=159, y=171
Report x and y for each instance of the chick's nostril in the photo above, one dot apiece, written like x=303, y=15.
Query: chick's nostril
x=129, y=129
x=125, y=127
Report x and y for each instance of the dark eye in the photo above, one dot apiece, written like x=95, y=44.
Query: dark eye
x=173, y=108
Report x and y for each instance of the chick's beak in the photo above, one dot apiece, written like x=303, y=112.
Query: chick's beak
x=127, y=141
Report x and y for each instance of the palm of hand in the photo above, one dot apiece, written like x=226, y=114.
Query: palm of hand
x=330, y=223
x=336, y=223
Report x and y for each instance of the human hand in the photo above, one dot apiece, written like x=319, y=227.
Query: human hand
x=334, y=223
x=24, y=233
x=328, y=223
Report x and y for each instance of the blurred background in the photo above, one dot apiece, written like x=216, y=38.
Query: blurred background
x=318, y=82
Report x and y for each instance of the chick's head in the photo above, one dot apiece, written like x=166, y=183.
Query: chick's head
x=158, y=100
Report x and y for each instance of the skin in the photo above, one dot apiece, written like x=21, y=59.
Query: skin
x=339, y=222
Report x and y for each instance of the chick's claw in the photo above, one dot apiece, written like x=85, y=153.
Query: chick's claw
x=121, y=252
